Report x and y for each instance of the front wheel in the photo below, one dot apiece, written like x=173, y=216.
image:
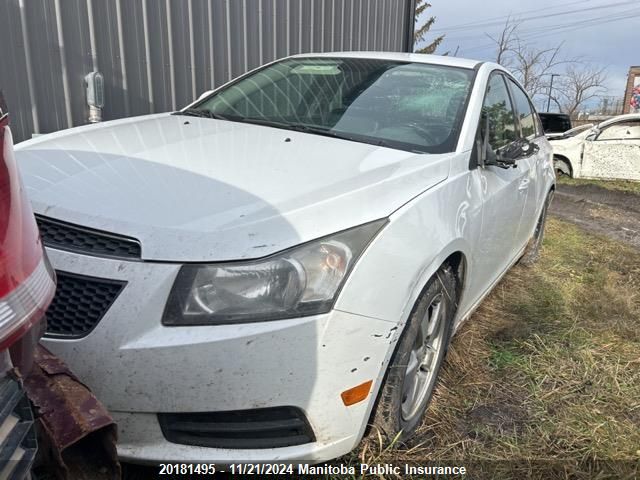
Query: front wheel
x=412, y=374
x=532, y=252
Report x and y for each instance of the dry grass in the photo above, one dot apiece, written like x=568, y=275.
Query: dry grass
x=622, y=185
x=544, y=380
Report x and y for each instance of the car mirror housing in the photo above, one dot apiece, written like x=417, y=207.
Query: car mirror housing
x=509, y=155
x=592, y=135
x=498, y=159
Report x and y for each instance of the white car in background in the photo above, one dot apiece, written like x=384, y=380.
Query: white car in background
x=569, y=133
x=261, y=275
x=610, y=150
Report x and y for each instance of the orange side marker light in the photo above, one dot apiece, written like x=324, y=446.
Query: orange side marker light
x=356, y=394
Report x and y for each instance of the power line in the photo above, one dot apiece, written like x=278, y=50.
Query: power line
x=504, y=17
x=485, y=23
x=544, y=28
x=567, y=27
x=581, y=24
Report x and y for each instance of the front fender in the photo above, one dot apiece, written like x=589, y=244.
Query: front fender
x=418, y=238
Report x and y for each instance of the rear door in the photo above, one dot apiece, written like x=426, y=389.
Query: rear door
x=504, y=195
x=614, y=153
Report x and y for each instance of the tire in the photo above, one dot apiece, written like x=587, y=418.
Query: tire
x=562, y=167
x=532, y=252
x=394, y=416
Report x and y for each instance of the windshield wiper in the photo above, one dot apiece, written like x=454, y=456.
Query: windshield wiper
x=260, y=121
x=378, y=142
x=301, y=127
x=194, y=112
x=296, y=127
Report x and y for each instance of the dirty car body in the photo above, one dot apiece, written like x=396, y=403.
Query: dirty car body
x=228, y=272
x=610, y=150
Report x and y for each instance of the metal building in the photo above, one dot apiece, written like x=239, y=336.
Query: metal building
x=159, y=55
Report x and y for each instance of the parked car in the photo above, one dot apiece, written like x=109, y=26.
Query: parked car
x=27, y=285
x=554, y=123
x=264, y=273
x=569, y=133
x=610, y=150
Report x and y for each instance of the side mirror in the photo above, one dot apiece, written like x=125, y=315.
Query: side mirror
x=522, y=148
x=507, y=156
x=592, y=136
x=498, y=159
x=205, y=94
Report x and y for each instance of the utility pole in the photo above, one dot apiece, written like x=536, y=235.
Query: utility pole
x=551, y=88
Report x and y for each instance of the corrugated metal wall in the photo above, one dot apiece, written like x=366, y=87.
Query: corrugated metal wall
x=158, y=55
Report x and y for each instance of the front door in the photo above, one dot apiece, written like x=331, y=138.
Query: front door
x=614, y=153
x=532, y=167
x=504, y=189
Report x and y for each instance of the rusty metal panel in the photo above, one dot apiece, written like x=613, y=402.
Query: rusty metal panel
x=158, y=55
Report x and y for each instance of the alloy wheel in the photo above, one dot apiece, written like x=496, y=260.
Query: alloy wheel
x=420, y=375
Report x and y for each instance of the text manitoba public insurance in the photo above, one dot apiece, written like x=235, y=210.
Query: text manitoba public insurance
x=380, y=469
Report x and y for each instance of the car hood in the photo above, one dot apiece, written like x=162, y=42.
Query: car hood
x=195, y=189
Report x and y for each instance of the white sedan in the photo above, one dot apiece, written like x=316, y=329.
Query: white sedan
x=263, y=274
x=610, y=150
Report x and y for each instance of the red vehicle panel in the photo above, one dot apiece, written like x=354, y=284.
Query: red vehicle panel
x=26, y=280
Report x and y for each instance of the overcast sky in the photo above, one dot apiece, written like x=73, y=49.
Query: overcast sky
x=604, y=32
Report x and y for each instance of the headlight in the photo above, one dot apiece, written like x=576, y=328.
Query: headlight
x=304, y=280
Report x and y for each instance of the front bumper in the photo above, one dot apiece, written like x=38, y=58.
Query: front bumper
x=138, y=368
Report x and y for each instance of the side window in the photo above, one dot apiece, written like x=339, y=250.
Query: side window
x=524, y=111
x=497, y=106
x=629, y=130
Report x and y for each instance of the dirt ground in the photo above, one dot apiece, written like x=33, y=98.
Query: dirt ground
x=599, y=210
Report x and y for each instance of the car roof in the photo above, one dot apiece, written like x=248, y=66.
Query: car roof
x=620, y=118
x=399, y=57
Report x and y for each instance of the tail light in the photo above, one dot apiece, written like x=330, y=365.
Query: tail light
x=26, y=281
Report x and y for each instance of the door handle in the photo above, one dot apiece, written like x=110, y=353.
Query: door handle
x=524, y=184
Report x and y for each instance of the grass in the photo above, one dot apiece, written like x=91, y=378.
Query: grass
x=622, y=185
x=544, y=380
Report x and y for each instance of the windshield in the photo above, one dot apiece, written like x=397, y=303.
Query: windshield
x=408, y=106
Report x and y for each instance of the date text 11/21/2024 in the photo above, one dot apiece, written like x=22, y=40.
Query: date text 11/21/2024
x=206, y=469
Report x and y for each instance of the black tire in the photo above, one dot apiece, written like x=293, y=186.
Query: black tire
x=532, y=252
x=388, y=418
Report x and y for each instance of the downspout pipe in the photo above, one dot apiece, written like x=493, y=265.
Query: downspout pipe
x=95, y=110
x=27, y=55
x=410, y=16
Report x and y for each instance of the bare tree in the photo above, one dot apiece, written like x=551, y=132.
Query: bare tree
x=505, y=42
x=421, y=30
x=580, y=83
x=531, y=64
